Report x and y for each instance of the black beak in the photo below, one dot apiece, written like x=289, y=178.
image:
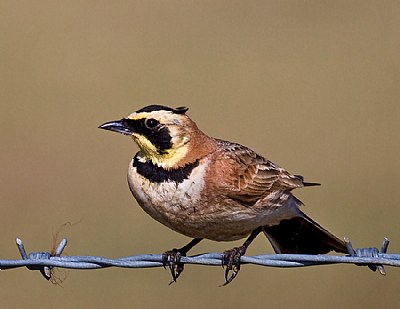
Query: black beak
x=120, y=126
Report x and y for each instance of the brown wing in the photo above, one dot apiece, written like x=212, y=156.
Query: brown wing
x=252, y=176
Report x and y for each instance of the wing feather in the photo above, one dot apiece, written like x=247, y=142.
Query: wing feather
x=253, y=176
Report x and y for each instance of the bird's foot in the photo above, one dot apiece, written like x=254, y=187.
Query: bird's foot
x=172, y=260
x=231, y=260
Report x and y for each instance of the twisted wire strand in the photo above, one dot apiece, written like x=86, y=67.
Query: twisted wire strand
x=44, y=261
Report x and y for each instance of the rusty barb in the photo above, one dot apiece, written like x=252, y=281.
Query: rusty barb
x=44, y=262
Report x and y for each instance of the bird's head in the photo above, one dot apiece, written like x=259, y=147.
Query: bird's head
x=165, y=135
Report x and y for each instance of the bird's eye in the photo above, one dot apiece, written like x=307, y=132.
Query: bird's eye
x=151, y=123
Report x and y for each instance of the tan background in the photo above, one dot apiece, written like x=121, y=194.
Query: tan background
x=312, y=85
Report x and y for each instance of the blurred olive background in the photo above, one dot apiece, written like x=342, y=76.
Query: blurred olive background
x=312, y=85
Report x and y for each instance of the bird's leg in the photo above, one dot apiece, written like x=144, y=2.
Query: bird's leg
x=231, y=258
x=172, y=258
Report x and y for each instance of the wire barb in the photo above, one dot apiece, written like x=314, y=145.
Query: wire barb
x=44, y=270
x=368, y=252
x=21, y=249
x=45, y=261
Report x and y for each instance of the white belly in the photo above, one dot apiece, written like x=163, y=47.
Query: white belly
x=167, y=202
x=182, y=208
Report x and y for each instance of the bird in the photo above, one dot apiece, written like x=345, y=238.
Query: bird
x=209, y=188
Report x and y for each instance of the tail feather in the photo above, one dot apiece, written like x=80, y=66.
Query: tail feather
x=302, y=235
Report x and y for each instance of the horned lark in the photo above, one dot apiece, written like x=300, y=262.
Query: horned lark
x=205, y=187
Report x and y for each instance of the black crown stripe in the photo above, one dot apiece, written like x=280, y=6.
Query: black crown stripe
x=155, y=107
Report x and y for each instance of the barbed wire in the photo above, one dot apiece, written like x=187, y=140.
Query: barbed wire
x=46, y=261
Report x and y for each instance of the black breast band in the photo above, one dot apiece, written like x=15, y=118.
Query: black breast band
x=159, y=174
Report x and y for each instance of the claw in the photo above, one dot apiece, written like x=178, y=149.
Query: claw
x=172, y=259
x=231, y=260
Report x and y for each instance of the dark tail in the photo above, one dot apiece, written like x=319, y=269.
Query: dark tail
x=303, y=236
